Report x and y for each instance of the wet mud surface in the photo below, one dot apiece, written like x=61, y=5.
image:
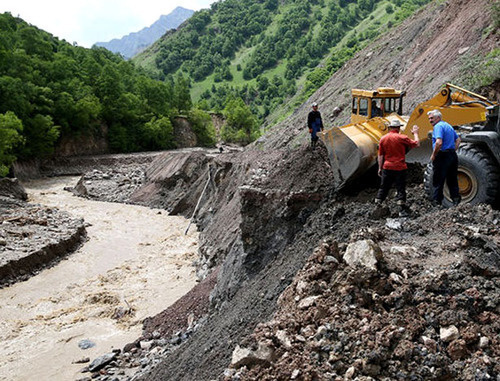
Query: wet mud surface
x=135, y=262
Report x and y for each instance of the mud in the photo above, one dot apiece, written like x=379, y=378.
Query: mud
x=135, y=262
x=289, y=247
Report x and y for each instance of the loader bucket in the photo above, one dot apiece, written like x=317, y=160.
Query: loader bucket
x=351, y=151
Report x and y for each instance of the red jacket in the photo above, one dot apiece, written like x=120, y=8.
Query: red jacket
x=393, y=148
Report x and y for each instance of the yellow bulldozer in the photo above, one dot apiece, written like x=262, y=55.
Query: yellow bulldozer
x=352, y=148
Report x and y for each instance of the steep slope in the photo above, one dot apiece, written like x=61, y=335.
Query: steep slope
x=268, y=51
x=435, y=46
x=134, y=43
x=272, y=205
x=272, y=243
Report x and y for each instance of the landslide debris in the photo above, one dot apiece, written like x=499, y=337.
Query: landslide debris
x=32, y=237
x=428, y=311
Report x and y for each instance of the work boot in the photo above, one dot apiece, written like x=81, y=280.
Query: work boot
x=379, y=211
x=404, y=213
x=456, y=200
x=403, y=210
x=436, y=203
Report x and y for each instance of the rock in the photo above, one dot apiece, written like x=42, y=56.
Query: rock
x=86, y=344
x=83, y=360
x=264, y=354
x=349, y=374
x=394, y=224
x=322, y=331
x=448, y=334
x=300, y=338
x=128, y=347
x=191, y=320
x=370, y=369
x=295, y=374
x=331, y=259
x=12, y=188
x=283, y=338
x=430, y=344
x=308, y=302
x=101, y=362
x=175, y=340
x=301, y=287
x=81, y=188
x=395, y=278
x=457, y=349
x=484, y=342
x=404, y=251
x=146, y=344
x=365, y=252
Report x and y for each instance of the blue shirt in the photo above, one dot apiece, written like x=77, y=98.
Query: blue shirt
x=444, y=131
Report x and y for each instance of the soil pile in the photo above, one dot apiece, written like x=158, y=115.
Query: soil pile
x=427, y=310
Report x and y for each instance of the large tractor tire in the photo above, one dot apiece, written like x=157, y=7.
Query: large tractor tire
x=478, y=177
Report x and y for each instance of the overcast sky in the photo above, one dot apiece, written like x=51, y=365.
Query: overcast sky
x=89, y=21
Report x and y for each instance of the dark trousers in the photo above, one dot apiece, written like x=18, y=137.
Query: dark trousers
x=390, y=177
x=314, y=137
x=445, y=168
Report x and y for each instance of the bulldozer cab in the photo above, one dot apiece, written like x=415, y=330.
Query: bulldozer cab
x=367, y=104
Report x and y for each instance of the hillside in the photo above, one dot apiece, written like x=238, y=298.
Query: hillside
x=134, y=43
x=56, y=98
x=276, y=233
x=266, y=52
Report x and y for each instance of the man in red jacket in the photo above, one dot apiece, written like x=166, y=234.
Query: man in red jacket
x=392, y=165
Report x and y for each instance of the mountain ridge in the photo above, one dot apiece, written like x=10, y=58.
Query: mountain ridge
x=135, y=42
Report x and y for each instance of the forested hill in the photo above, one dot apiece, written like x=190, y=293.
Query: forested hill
x=50, y=88
x=265, y=51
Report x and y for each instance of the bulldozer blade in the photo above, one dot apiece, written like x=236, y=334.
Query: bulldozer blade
x=345, y=156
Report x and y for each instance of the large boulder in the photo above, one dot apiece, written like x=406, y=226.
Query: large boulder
x=365, y=253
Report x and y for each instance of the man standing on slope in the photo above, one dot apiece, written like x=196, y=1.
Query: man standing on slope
x=315, y=124
x=445, y=142
x=392, y=165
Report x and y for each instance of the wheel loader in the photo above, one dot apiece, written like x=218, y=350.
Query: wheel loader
x=352, y=148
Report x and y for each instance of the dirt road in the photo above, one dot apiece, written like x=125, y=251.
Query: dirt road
x=136, y=262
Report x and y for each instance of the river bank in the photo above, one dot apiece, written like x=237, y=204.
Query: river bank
x=135, y=262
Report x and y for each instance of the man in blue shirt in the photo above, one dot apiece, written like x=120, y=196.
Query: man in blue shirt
x=445, y=142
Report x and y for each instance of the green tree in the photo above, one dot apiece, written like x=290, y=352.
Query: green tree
x=202, y=126
x=241, y=125
x=158, y=133
x=41, y=135
x=182, y=97
x=11, y=129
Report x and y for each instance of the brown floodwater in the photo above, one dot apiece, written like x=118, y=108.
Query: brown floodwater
x=136, y=258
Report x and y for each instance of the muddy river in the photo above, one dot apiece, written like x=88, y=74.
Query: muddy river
x=136, y=262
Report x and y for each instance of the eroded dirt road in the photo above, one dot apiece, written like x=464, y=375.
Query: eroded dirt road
x=136, y=262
